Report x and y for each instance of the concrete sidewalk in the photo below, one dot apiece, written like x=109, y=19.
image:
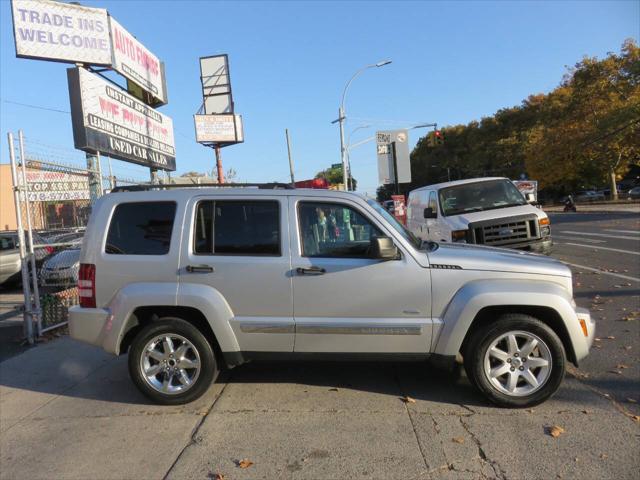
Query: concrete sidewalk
x=70, y=411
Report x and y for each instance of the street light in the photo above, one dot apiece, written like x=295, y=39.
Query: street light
x=348, y=149
x=342, y=117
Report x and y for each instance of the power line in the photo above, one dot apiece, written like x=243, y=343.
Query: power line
x=37, y=107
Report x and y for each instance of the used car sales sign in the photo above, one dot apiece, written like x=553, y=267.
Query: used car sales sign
x=108, y=120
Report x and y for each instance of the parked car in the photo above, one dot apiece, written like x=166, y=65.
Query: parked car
x=589, y=196
x=10, y=264
x=634, y=193
x=60, y=270
x=190, y=280
x=487, y=211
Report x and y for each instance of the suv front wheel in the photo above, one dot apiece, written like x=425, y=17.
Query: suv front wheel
x=171, y=362
x=518, y=361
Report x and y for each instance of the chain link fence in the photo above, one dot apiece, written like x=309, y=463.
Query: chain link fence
x=54, y=188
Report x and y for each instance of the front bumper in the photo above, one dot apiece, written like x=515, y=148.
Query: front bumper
x=582, y=344
x=89, y=325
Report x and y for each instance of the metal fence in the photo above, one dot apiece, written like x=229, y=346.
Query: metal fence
x=54, y=189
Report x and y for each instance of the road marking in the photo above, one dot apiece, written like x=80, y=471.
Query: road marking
x=581, y=239
x=634, y=232
x=603, y=248
x=611, y=274
x=599, y=235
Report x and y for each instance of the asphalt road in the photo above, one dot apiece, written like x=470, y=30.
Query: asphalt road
x=68, y=410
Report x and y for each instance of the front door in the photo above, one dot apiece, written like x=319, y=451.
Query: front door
x=346, y=301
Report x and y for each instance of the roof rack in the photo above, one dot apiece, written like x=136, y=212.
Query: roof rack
x=164, y=186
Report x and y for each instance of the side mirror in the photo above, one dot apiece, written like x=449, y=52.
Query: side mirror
x=430, y=213
x=383, y=248
x=530, y=197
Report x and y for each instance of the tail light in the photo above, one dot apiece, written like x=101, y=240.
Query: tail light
x=87, y=285
x=49, y=249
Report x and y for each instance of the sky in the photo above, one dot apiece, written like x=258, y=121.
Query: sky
x=452, y=62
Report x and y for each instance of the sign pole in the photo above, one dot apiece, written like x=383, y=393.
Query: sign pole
x=219, y=163
x=395, y=168
x=153, y=174
x=286, y=132
x=94, y=181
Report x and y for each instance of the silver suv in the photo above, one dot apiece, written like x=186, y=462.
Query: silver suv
x=188, y=280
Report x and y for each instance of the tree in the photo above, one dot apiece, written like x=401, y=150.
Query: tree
x=333, y=175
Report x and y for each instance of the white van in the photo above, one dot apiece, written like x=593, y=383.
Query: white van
x=488, y=211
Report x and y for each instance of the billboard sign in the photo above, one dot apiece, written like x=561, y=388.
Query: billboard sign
x=61, y=32
x=135, y=62
x=216, y=84
x=44, y=186
x=386, y=143
x=219, y=128
x=108, y=120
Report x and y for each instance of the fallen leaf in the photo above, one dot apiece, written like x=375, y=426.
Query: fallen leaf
x=628, y=347
x=597, y=346
x=603, y=456
x=458, y=440
x=216, y=476
x=622, y=366
x=244, y=463
x=530, y=410
x=586, y=412
x=333, y=389
x=596, y=339
x=617, y=372
x=408, y=400
x=632, y=400
x=635, y=417
x=555, y=431
x=611, y=337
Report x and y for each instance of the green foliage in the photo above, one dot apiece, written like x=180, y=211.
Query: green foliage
x=333, y=175
x=583, y=133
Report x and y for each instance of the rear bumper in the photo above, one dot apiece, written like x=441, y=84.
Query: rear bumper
x=89, y=325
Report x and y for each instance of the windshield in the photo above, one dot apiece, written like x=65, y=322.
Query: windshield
x=479, y=196
x=397, y=226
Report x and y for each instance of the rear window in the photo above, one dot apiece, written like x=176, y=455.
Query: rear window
x=241, y=227
x=141, y=228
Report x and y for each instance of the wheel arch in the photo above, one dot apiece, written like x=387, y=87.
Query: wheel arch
x=479, y=302
x=547, y=315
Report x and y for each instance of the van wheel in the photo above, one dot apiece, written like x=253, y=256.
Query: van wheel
x=516, y=362
x=171, y=362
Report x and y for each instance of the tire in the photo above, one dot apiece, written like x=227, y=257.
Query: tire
x=534, y=378
x=186, y=366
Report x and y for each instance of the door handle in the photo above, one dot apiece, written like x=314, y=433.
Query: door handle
x=311, y=271
x=199, y=269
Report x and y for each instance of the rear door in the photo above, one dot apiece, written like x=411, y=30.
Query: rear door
x=239, y=245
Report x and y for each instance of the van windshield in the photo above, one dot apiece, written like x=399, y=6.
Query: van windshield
x=479, y=196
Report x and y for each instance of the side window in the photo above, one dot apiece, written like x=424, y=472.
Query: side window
x=141, y=228
x=237, y=227
x=7, y=243
x=334, y=231
x=433, y=202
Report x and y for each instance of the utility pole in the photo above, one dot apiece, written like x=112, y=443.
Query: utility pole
x=343, y=158
x=395, y=168
x=219, y=164
x=94, y=178
x=286, y=132
x=153, y=172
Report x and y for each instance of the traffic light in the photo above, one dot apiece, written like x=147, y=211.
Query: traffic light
x=439, y=137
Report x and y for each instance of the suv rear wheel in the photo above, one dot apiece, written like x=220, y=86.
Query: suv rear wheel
x=518, y=361
x=171, y=361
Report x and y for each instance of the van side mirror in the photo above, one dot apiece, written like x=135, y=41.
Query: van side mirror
x=530, y=197
x=430, y=213
x=383, y=248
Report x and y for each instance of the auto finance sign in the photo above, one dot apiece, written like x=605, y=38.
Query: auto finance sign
x=108, y=120
x=59, y=31
x=45, y=186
